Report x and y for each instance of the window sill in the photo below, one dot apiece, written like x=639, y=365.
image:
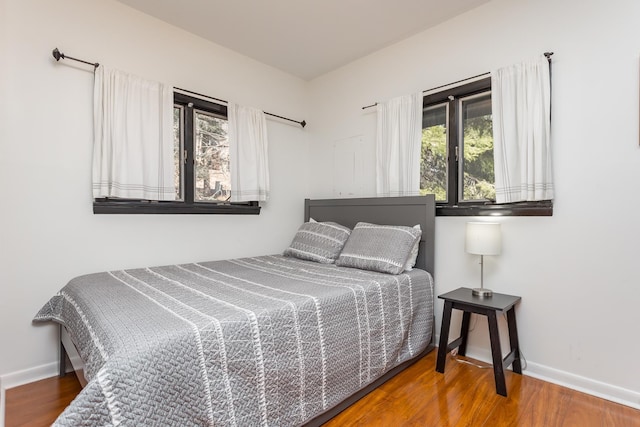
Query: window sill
x=120, y=207
x=543, y=208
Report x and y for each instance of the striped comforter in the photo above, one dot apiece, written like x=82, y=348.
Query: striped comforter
x=268, y=340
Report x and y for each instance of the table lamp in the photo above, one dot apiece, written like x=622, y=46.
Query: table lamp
x=483, y=238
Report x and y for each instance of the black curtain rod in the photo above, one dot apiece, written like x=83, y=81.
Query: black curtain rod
x=59, y=55
x=547, y=54
x=303, y=123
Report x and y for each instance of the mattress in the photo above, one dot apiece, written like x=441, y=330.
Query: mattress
x=268, y=340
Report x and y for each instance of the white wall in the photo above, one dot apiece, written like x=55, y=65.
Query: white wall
x=577, y=272
x=49, y=233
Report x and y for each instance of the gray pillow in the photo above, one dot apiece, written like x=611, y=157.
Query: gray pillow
x=318, y=241
x=383, y=248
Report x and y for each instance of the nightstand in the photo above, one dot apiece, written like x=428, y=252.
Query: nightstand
x=462, y=299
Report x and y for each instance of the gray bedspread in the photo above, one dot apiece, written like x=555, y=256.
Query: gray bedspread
x=268, y=340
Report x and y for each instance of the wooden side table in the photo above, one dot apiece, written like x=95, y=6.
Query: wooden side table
x=462, y=299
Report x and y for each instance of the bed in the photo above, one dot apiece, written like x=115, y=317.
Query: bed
x=270, y=340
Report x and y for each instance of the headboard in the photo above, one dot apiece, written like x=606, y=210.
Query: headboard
x=407, y=211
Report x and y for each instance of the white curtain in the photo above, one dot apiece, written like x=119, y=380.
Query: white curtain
x=398, y=145
x=133, y=137
x=248, y=146
x=521, y=104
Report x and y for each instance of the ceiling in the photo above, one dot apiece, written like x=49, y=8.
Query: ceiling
x=306, y=38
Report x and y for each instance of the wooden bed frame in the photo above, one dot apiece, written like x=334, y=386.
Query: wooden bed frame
x=407, y=211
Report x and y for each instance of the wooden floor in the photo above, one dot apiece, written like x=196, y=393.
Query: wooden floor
x=463, y=396
x=39, y=403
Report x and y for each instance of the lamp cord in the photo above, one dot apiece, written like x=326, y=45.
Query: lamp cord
x=481, y=271
x=454, y=352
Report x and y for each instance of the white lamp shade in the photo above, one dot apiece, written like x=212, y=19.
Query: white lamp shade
x=483, y=238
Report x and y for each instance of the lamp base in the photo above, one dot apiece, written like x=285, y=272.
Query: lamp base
x=481, y=292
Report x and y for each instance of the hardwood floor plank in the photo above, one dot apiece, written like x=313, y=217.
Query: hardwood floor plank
x=458, y=392
x=584, y=409
x=464, y=395
x=620, y=415
x=40, y=403
x=532, y=403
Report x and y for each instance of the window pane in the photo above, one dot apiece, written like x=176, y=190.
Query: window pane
x=433, y=161
x=178, y=149
x=211, y=151
x=477, y=146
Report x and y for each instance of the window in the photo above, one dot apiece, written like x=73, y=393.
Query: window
x=457, y=154
x=201, y=158
x=201, y=151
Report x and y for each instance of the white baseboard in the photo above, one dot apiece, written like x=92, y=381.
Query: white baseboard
x=586, y=385
x=15, y=379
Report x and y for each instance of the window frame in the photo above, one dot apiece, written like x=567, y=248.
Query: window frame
x=188, y=205
x=454, y=206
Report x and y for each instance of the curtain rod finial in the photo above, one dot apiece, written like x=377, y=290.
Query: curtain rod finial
x=303, y=123
x=57, y=54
